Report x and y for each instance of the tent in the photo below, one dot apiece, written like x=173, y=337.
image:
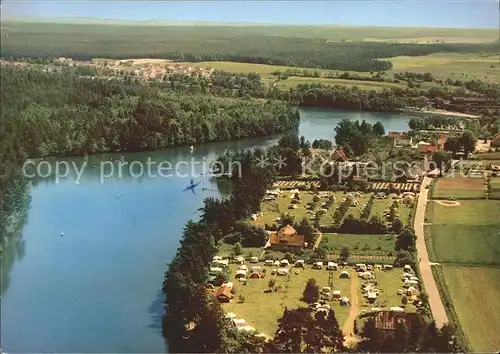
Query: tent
x=215, y=270
x=344, y=301
x=283, y=271
x=254, y=276
x=240, y=273
x=397, y=309
x=411, y=291
x=284, y=263
x=344, y=275
x=406, y=276
x=332, y=266
x=336, y=294
x=256, y=269
x=239, y=321
x=300, y=263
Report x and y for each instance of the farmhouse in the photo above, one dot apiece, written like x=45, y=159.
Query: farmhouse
x=397, y=135
x=339, y=156
x=427, y=149
x=286, y=239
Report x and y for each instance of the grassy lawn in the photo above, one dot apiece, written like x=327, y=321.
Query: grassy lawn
x=262, y=310
x=470, y=287
x=444, y=65
x=361, y=244
x=468, y=233
x=225, y=251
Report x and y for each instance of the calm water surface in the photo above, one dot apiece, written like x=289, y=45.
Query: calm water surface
x=97, y=288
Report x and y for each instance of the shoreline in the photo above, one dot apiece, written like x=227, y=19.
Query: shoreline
x=440, y=112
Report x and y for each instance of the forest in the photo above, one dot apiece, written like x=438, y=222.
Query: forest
x=60, y=114
x=210, y=43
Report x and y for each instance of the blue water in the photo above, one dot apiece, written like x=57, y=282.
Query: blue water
x=98, y=287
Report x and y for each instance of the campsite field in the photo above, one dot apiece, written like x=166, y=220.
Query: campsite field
x=274, y=209
x=465, y=234
x=451, y=65
x=475, y=293
x=459, y=188
x=388, y=283
x=262, y=309
x=361, y=244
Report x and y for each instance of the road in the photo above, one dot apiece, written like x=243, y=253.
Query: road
x=350, y=338
x=437, y=308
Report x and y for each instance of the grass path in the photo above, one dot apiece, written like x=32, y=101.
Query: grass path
x=348, y=329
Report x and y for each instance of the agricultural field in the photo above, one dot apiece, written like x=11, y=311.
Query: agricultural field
x=459, y=187
x=262, y=309
x=265, y=72
x=467, y=233
x=495, y=187
x=451, y=65
x=274, y=209
x=488, y=156
x=475, y=293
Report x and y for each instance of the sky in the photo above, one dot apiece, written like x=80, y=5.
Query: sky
x=419, y=13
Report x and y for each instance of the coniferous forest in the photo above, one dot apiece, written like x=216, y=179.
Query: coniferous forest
x=60, y=114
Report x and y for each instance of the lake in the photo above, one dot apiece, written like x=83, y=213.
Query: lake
x=86, y=276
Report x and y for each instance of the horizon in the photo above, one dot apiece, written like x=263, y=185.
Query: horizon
x=413, y=14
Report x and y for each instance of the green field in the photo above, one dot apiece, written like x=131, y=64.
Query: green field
x=361, y=244
x=451, y=65
x=467, y=244
x=265, y=72
x=465, y=234
x=332, y=33
x=475, y=293
x=262, y=310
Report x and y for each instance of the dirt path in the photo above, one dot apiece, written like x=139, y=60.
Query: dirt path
x=437, y=308
x=348, y=329
x=318, y=240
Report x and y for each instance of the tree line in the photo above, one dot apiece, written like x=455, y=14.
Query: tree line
x=213, y=43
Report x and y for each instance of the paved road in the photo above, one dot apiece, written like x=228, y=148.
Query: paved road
x=437, y=308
